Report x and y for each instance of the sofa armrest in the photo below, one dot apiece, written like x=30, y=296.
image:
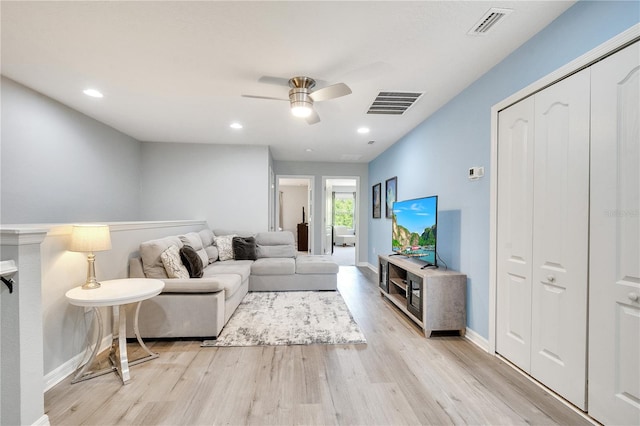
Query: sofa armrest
x=135, y=268
x=192, y=285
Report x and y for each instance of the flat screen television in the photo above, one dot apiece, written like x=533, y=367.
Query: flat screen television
x=414, y=229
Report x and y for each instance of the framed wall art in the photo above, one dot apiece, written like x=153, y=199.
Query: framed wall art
x=377, y=200
x=391, y=191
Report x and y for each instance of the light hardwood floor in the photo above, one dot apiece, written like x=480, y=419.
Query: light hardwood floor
x=398, y=377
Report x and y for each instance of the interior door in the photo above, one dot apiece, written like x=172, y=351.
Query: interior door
x=614, y=312
x=515, y=206
x=310, y=217
x=561, y=237
x=328, y=217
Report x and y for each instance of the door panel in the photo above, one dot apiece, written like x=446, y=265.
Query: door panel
x=328, y=218
x=515, y=186
x=614, y=311
x=560, y=237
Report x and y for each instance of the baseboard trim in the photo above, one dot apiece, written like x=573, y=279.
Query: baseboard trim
x=42, y=421
x=370, y=266
x=66, y=369
x=551, y=392
x=477, y=339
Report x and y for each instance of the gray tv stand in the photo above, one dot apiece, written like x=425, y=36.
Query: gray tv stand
x=435, y=299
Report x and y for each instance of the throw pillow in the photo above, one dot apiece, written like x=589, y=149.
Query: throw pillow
x=212, y=252
x=172, y=263
x=191, y=261
x=244, y=248
x=225, y=246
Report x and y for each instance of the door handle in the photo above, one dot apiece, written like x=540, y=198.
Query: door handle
x=633, y=296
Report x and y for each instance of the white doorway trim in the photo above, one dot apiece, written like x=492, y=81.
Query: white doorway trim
x=310, y=216
x=599, y=52
x=356, y=213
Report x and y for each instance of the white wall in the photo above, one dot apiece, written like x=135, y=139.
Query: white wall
x=228, y=186
x=58, y=165
x=294, y=198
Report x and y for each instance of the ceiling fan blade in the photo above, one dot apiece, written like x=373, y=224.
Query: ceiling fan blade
x=278, y=81
x=330, y=92
x=265, y=97
x=313, y=118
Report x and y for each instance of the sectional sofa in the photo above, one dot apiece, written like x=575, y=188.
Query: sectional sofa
x=200, y=307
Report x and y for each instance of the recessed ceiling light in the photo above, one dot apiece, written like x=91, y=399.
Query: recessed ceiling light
x=363, y=130
x=235, y=125
x=308, y=150
x=93, y=93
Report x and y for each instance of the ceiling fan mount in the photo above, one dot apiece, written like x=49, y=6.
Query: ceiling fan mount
x=300, y=101
x=302, y=97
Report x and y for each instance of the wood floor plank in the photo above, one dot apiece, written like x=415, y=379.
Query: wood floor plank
x=397, y=378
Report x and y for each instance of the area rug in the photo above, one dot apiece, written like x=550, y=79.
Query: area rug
x=290, y=318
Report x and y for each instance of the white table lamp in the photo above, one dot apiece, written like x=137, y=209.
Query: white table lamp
x=89, y=238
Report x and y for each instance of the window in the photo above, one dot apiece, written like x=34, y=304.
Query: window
x=343, y=208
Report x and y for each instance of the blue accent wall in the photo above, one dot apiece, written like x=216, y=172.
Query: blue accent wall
x=434, y=158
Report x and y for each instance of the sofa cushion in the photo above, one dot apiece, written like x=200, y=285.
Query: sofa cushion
x=150, y=252
x=212, y=253
x=194, y=240
x=225, y=246
x=316, y=265
x=244, y=248
x=173, y=264
x=275, y=244
x=206, y=235
x=191, y=261
x=276, y=251
x=240, y=267
x=275, y=238
x=274, y=266
x=231, y=284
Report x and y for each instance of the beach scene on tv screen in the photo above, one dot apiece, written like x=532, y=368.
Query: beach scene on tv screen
x=414, y=228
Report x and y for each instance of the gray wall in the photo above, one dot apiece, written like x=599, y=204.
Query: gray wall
x=58, y=165
x=225, y=185
x=320, y=170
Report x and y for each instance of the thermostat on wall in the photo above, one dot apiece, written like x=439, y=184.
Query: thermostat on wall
x=476, y=173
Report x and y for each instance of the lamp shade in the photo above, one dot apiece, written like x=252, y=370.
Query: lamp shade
x=90, y=238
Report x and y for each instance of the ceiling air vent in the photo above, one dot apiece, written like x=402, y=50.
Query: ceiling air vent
x=393, y=103
x=489, y=20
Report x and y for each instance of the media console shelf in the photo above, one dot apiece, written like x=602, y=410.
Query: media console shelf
x=435, y=299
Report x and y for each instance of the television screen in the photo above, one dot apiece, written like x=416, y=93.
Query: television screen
x=414, y=228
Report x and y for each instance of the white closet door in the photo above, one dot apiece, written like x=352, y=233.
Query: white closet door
x=560, y=237
x=515, y=188
x=614, y=312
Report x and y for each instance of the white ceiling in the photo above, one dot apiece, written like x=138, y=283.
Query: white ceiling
x=175, y=71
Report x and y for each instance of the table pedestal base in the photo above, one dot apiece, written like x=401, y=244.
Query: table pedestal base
x=118, y=353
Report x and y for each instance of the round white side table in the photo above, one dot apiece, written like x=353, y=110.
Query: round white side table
x=116, y=294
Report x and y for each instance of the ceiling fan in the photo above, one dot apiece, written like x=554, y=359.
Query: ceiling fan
x=301, y=96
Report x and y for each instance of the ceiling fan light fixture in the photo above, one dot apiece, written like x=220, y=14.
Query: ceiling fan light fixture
x=93, y=93
x=301, y=103
x=301, y=109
